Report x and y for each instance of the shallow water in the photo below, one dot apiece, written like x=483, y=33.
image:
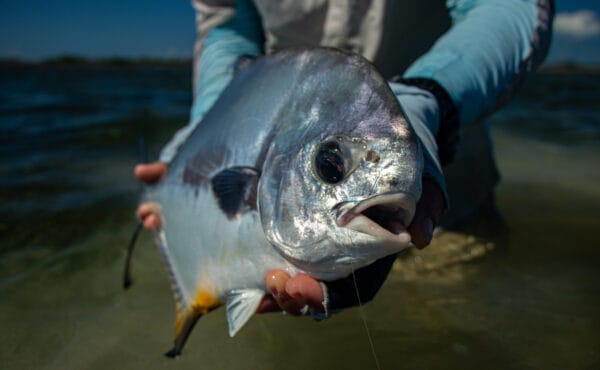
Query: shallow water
x=526, y=299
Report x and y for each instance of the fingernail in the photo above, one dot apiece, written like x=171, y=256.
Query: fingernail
x=274, y=293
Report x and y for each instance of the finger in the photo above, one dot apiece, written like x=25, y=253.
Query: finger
x=276, y=281
x=307, y=289
x=149, y=213
x=147, y=208
x=434, y=201
x=428, y=212
x=150, y=172
x=421, y=230
x=268, y=304
x=152, y=222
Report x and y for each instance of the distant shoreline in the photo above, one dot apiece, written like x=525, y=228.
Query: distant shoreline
x=569, y=68
x=76, y=60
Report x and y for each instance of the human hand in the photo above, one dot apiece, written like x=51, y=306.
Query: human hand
x=427, y=214
x=292, y=294
x=149, y=212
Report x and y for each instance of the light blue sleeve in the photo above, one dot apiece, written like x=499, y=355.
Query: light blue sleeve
x=421, y=110
x=490, y=47
x=479, y=62
x=241, y=35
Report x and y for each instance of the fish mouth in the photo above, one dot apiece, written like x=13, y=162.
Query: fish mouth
x=383, y=216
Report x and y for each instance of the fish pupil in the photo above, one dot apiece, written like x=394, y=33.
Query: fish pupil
x=329, y=164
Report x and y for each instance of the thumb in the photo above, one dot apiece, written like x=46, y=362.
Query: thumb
x=427, y=214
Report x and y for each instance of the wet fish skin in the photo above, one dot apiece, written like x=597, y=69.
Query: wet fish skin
x=246, y=192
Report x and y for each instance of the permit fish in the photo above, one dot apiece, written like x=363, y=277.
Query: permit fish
x=305, y=163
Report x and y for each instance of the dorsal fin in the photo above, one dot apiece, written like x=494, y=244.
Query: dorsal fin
x=235, y=189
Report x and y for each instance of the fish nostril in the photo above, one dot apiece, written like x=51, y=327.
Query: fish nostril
x=372, y=156
x=390, y=218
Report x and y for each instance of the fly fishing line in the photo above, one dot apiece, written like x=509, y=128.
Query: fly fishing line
x=364, y=321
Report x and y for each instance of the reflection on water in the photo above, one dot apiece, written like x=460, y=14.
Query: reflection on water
x=526, y=299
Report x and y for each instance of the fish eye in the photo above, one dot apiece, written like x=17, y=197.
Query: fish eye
x=329, y=164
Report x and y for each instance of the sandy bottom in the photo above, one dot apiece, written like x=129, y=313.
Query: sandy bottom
x=528, y=299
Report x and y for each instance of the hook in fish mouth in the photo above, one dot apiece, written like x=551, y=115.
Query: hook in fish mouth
x=385, y=216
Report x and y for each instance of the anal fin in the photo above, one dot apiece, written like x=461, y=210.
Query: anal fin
x=183, y=327
x=241, y=305
x=186, y=318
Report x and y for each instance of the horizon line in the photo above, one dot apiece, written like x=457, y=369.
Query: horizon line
x=72, y=58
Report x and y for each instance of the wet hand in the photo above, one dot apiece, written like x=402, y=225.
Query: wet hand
x=291, y=294
x=149, y=212
x=427, y=215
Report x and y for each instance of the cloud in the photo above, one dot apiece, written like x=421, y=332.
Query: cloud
x=579, y=24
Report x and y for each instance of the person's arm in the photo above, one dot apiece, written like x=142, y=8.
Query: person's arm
x=485, y=56
x=226, y=32
x=471, y=70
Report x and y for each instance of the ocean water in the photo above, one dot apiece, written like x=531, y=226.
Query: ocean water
x=527, y=298
x=68, y=139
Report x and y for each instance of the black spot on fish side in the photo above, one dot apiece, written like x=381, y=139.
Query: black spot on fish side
x=235, y=189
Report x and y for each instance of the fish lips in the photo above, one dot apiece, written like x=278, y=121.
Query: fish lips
x=384, y=217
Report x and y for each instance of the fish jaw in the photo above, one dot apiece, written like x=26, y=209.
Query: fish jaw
x=384, y=217
x=366, y=230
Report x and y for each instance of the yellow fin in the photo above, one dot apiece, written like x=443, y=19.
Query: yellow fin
x=203, y=303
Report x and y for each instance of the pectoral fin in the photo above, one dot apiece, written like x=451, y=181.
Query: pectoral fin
x=241, y=305
x=235, y=190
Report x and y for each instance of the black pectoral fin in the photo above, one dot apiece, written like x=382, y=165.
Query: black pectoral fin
x=235, y=189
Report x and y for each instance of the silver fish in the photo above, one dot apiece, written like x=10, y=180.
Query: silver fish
x=305, y=163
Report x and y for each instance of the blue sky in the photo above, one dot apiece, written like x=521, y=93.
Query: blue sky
x=36, y=29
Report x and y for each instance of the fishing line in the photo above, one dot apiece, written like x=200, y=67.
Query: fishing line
x=364, y=320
